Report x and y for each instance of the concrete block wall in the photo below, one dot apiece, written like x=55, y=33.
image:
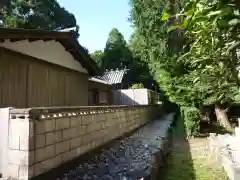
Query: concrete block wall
x=42, y=139
x=20, y=150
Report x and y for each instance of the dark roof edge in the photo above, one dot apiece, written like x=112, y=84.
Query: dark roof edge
x=76, y=49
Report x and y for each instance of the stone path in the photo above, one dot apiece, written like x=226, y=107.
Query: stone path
x=128, y=159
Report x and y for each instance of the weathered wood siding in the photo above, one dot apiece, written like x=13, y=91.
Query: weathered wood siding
x=29, y=82
x=104, y=93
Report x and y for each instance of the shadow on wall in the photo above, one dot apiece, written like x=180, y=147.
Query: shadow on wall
x=120, y=98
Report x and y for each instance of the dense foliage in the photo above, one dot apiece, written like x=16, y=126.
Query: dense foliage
x=44, y=14
x=191, y=117
x=116, y=51
x=191, y=47
x=97, y=56
x=211, y=58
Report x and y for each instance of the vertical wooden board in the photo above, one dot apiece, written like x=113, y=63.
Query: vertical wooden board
x=81, y=90
x=20, y=78
x=37, y=85
x=72, y=98
x=67, y=89
x=84, y=88
x=3, y=76
x=43, y=86
x=53, y=90
x=31, y=96
x=70, y=89
x=56, y=86
x=77, y=89
x=13, y=84
x=62, y=87
x=5, y=80
x=30, y=87
x=22, y=81
x=74, y=87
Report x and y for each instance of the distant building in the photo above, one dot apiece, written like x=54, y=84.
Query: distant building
x=114, y=77
x=100, y=87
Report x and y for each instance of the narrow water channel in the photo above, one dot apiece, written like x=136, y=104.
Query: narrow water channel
x=129, y=159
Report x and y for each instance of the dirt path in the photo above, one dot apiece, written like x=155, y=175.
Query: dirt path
x=189, y=160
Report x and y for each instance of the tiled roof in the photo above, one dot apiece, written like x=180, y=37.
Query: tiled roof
x=113, y=76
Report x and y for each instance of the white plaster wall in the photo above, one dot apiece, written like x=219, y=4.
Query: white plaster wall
x=50, y=51
x=141, y=96
x=131, y=96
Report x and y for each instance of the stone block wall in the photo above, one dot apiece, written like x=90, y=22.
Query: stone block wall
x=41, y=139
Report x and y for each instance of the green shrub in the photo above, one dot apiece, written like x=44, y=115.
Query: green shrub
x=137, y=86
x=191, y=117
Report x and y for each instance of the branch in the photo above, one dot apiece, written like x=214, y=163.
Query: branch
x=226, y=110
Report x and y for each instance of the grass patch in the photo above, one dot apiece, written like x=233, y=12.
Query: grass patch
x=189, y=159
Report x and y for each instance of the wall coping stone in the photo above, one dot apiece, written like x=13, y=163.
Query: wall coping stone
x=40, y=113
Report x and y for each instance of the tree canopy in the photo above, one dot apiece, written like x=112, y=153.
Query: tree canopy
x=44, y=14
x=97, y=56
x=191, y=48
x=116, y=52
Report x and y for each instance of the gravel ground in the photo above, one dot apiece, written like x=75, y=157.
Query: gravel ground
x=129, y=159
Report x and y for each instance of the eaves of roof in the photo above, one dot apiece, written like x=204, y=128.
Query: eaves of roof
x=67, y=39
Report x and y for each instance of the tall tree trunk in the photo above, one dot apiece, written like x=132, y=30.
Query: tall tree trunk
x=222, y=117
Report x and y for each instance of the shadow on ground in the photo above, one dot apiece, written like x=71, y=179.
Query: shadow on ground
x=214, y=127
x=180, y=163
x=189, y=159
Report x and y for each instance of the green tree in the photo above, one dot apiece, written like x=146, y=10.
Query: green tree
x=97, y=56
x=45, y=14
x=116, y=52
x=119, y=54
x=139, y=64
x=212, y=28
x=155, y=46
x=160, y=48
x=205, y=71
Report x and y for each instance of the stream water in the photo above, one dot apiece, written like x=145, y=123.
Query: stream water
x=129, y=159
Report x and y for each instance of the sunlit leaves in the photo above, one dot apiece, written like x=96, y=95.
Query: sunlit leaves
x=165, y=16
x=208, y=27
x=175, y=27
x=234, y=22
